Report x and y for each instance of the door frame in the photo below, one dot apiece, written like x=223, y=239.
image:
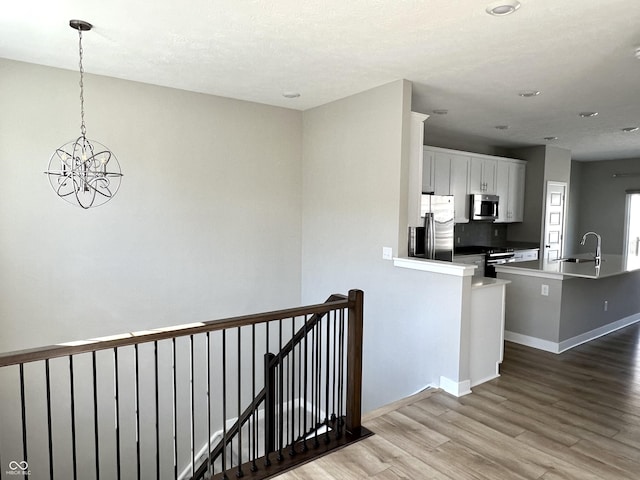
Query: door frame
x=627, y=212
x=543, y=235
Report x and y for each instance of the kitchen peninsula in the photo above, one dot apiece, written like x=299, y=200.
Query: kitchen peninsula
x=477, y=337
x=556, y=305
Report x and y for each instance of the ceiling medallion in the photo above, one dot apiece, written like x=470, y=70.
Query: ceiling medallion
x=630, y=129
x=84, y=172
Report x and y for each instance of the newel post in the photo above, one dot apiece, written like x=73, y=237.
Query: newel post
x=354, y=362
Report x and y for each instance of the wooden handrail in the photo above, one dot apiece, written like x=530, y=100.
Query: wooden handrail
x=152, y=335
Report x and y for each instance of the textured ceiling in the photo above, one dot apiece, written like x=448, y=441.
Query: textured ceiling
x=578, y=53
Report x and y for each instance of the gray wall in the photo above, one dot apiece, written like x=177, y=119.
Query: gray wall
x=355, y=156
x=544, y=164
x=207, y=217
x=573, y=232
x=530, y=229
x=583, y=303
x=602, y=201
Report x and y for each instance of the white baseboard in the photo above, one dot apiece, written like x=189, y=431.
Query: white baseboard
x=598, y=332
x=533, y=342
x=572, y=342
x=457, y=389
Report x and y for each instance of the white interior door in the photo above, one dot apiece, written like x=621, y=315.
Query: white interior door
x=554, y=220
x=632, y=231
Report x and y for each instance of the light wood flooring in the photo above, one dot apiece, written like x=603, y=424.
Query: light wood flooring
x=569, y=416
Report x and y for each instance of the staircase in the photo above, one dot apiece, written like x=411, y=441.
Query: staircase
x=247, y=396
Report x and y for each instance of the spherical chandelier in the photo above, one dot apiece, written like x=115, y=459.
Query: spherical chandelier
x=84, y=172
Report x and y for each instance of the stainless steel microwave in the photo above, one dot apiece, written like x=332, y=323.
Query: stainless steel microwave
x=484, y=207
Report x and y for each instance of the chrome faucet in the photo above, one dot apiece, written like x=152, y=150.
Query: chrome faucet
x=598, y=255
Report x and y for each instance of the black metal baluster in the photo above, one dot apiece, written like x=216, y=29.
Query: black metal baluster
x=116, y=398
x=49, y=433
x=73, y=420
x=209, y=405
x=137, y=408
x=192, y=408
x=334, y=383
x=269, y=409
x=316, y=381
x=155, y=367
x=23, y=409
x=280, y=457
x=254, y=432
x=327, y=379
x=285, y=418
x=341, y=375
x=239, y=472
x=95, y=414
x=292, y=381
x=224, y=403
x=319, y=377
x=175, y=406
x=300, y=408
x=306, y=385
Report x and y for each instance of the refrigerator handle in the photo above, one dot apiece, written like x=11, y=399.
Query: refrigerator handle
x=430, y=236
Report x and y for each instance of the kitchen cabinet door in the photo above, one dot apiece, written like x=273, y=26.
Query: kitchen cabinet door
x=510, y=178
x=458, y=187
x=416, y=153
x=517, y=173
x=428, y=180
x=441, y=174
x=482, y=175
x=502, y=190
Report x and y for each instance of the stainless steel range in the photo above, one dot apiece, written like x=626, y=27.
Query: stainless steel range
x=497, y=256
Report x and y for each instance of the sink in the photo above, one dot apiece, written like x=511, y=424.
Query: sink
x=576, y=260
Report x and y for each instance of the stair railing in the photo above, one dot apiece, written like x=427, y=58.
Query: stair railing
x=197, y=401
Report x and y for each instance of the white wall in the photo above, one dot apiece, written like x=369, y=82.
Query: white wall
x=206, y=224
x=354, y=187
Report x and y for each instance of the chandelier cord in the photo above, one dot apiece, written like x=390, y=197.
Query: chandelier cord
x=83, y=128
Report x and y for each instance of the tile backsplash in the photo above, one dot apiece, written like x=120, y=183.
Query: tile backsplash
x=480, y=233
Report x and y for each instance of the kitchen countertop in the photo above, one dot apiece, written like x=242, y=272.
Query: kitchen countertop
x=610, y=265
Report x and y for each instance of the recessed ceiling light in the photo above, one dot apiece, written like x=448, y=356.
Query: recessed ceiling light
x=440, y=111
x=588, y=114
x=502, y=127
x=290, y=94
x=549, y=139
x=529, y=93
x=630, y=129
x=502, y=7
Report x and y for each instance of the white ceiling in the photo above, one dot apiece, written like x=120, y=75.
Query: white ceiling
x=578, y=53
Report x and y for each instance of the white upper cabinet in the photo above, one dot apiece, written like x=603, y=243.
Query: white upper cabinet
x=482, y=175
x=459, y=187
x=453, y=172
x=428, y=180
x=436, y=172
x=416, y=152
x=510, y=178
x=447, y=175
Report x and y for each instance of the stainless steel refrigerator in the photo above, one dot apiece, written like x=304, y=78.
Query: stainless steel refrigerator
x=435, y=239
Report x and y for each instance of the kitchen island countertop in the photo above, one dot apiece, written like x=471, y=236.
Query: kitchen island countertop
x=610, y=265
